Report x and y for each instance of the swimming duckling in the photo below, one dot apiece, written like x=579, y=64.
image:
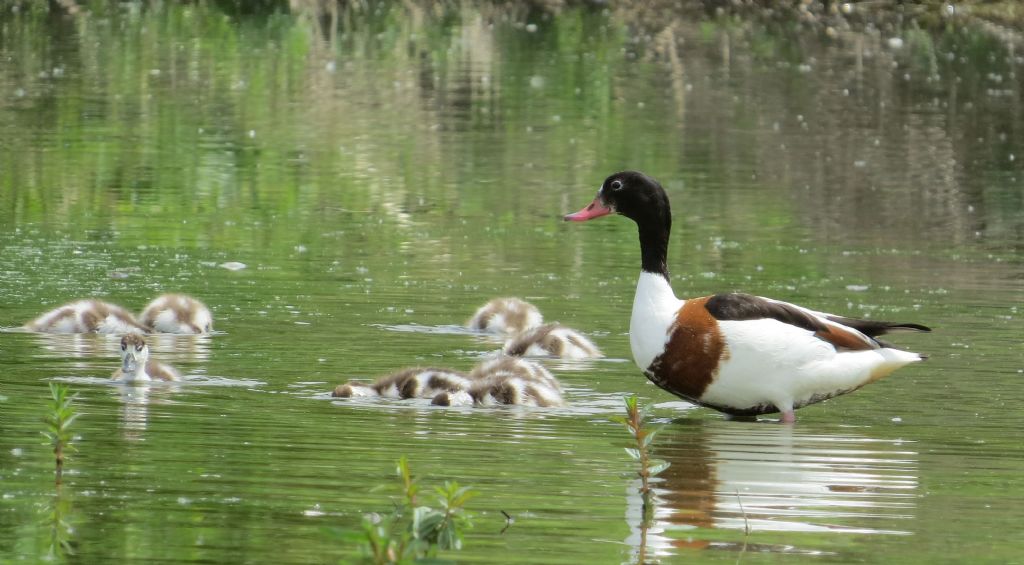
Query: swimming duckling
x=552, y=339
x=413, y=382
x=506, y=315
x=177, y=314
x=136, y=366
x=506, y=380
x=86, y=316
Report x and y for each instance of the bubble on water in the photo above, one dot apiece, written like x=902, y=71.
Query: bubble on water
x=895, y=42
x=857, y=287
x=531, y=28
x=896, y=419
x=17, y=452
x=537, y=81
x=233, y=265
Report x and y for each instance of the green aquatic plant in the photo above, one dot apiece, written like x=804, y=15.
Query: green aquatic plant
x=58, y=425
x=641, y=434
x=414, y=532
x=56, y=514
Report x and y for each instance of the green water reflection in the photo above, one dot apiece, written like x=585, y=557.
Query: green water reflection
x=382, y=171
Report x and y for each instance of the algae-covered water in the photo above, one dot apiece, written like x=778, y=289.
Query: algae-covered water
x=383, y=169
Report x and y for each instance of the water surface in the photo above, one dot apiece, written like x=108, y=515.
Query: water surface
x=381, y=173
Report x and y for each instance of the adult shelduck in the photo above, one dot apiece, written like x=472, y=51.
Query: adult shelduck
x=739, y=354
x=137, y=367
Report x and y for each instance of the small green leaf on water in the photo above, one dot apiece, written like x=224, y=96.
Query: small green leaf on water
x=656, y=466
x=633, y=452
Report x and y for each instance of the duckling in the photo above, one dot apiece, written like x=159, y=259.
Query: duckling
x=177, y=314
x=136, y=366
x=506, y=380
x=506, y=315
x=412, y=382
x=552, y=339
x=86, y=316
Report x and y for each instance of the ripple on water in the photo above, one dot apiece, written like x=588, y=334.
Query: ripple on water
x=768, y=478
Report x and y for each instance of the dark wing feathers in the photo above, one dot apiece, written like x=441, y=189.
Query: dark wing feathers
x=874, y=328
x=737, y=306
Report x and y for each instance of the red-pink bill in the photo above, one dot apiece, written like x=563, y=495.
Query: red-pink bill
x=595, y=209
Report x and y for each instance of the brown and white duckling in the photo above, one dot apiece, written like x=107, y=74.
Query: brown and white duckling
x=506, y=380
x=506, y=315
x=137, y=367
x=552, y=339
x=86, y=316
x=413, y=382
x=177, y=314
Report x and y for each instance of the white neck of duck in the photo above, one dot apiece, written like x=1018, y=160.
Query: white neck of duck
x=135, y=371
x=654, y=311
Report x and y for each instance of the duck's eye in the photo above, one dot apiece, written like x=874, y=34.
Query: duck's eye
x=616, y=185
x=124, y=346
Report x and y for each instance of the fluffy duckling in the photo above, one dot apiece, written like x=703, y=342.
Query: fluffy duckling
x=506, y=380
x=552, y=339
x=506, y=315
x=413, y=382
x=177, y=314
x=136, y=366
x=86, y=316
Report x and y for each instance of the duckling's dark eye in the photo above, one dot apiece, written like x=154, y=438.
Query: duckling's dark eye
x=124, y=346
x=616, y=185
x=138, y=348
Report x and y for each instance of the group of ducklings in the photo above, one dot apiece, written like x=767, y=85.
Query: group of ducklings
x=168, y=313
x=506, y=378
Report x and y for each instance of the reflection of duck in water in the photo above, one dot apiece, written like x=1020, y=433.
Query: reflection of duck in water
x=552, y=339
x=86, y=316
x=506, y=315
x=136, y=366
x=414, y=382
x=733, y=475
x=177, y=314
x=736, y=353
x=506, y=380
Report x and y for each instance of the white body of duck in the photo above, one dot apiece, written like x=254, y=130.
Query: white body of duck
x=86, y=316
x=413, y=382
x=506, y=316
x=177, y=314
x=506, y=380
x=552, y=340
x=137, y=367
x=736, y=353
